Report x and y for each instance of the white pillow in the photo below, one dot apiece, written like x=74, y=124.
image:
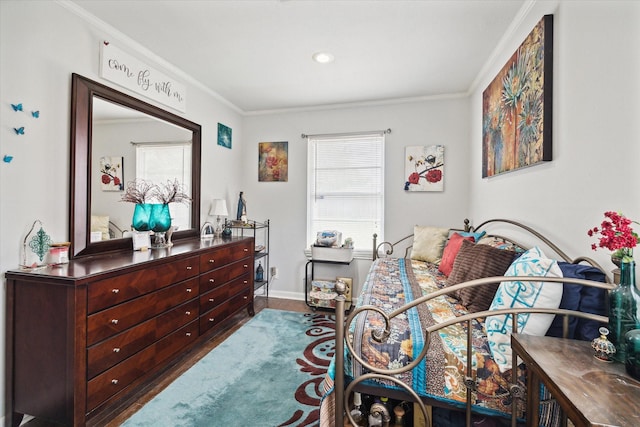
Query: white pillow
x=100, y=223
x=523, y=294
x=428, y=243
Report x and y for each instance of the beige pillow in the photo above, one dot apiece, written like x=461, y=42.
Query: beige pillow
x=100, y=223
x=428, y=243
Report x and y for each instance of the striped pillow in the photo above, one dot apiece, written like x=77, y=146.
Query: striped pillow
x=476, y=262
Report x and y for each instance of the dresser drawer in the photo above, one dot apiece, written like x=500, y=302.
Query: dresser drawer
x=220, y=276
x=221, y=256
x=213, y=298
x=209, y=300
x=212, y=318
x=239, y=301
x=116, y=379
x=240, y=285
x=108, y=292
x=108, y=322
x=108, y=353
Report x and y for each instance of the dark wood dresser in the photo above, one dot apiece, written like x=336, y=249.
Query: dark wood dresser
x=84, y=337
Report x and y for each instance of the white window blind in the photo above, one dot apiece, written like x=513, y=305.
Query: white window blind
x=163, y=162
x=346, y=187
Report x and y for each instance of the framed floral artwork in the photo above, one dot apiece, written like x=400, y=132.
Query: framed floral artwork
x=224, y=135
x=516, y=106
x=111, y=178
x=273, y=161
x=424, y=168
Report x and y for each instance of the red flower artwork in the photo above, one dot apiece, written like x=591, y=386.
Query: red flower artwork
x=424, y=163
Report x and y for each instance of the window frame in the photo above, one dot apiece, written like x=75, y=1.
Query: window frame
x=363, y=249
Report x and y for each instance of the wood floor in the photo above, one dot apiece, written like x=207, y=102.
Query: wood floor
x=241, y=318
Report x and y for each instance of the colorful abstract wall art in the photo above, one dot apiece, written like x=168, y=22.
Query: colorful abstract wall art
x=516, y=106
x=273, y=161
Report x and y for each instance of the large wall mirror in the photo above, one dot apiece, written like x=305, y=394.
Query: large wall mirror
x=124, y=138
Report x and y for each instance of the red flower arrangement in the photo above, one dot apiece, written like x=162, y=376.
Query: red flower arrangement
x=616, y=235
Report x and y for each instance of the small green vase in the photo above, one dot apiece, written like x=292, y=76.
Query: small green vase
x=632, y=353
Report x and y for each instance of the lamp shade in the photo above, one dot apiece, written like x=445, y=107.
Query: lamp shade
x=219, y=207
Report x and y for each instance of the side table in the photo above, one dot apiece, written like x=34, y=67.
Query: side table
x=589, y=391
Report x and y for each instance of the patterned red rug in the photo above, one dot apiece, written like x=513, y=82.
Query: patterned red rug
x=314, y=361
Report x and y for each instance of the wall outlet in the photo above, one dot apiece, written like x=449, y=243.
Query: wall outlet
x=274, y=272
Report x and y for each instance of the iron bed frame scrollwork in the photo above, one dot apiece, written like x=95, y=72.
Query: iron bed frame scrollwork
x=342, y=393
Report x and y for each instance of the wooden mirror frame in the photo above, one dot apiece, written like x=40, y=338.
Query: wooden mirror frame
x=83, y=91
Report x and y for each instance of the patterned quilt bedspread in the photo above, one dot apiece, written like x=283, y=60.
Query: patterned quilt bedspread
x=390, y=284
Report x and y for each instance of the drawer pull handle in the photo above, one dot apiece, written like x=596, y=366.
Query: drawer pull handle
x=189, y=267
x=188, y=313
x=188, y=334
x=246, y=281
x=114, y=382
x=211, y=299
x=246, y=266
x=211, y=261
x=212, y=319
x=114, y=321
x=212, y=280
x=115, y=291
x=116, y=350
x=245, y=297
x=246, y=249
x=188, y=289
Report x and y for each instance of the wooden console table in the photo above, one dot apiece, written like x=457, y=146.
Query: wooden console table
x=590, y=392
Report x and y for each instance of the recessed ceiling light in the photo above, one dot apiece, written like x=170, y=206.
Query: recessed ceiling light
x=323, y=57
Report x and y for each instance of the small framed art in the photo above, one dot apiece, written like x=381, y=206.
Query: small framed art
x=224, y=135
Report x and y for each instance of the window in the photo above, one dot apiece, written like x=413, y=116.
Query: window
x=167, y=161
x=346, y=187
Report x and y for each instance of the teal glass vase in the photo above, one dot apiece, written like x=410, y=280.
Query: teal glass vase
x=160, y=217
x=623, y=307
x=141, y=217
x=151, y=217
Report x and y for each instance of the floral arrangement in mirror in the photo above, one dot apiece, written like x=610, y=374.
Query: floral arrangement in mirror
x=151, y=212
x=142, y=191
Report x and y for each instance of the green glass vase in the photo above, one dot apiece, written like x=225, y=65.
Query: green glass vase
x=623, y=307
x=632, y=353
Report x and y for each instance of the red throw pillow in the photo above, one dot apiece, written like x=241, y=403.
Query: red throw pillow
x=451, y=251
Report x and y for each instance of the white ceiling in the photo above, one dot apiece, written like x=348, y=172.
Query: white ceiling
x=257, y=54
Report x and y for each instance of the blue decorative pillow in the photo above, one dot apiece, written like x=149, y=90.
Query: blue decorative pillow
x=580, y=298
x=523, y=294
x=476, y=236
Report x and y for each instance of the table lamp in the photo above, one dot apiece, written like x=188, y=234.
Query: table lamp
x=218, y=209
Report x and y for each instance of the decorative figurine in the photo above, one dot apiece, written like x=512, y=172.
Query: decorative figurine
x=604, y=349
x=242, y=208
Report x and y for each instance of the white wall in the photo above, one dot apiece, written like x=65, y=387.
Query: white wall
x=42, y=43
x=596, y=138
x=442, y=121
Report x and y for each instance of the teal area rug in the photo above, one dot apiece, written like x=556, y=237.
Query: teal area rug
x=267, y=373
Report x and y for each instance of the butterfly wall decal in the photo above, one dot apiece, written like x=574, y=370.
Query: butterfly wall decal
x=35, y=114
x=19, y=131
x=16, y=107
x=7, y=158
